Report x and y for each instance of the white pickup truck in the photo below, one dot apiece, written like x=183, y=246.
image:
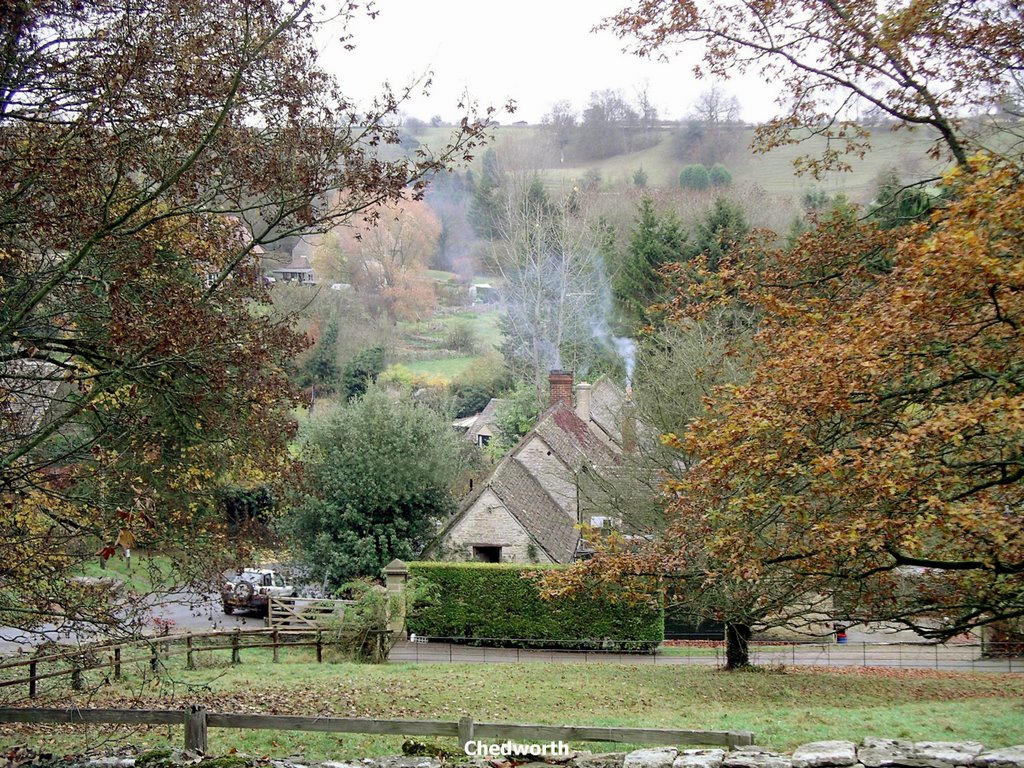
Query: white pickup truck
x=251, y=589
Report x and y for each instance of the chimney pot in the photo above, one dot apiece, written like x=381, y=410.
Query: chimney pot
x=583, y=401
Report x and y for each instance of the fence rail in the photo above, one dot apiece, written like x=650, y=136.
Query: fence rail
x=157, y=649
x=196, y=721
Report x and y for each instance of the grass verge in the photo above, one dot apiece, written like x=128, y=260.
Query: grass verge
x=782, y=708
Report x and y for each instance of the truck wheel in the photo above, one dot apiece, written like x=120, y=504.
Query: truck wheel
x=229, y=609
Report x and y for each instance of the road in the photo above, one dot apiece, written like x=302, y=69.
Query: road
x=185, y=610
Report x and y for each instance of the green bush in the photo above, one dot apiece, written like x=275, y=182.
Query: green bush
x=498, y=604
x=694, y=177
x=361, y=371
x=719, y=176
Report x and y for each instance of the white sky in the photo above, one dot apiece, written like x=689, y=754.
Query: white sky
x=536, y=52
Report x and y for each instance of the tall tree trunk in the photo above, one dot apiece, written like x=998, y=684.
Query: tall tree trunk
x=737, y=646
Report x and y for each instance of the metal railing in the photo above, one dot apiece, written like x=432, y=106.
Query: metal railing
x=953, y=657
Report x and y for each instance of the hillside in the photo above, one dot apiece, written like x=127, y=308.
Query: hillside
x=527, y=147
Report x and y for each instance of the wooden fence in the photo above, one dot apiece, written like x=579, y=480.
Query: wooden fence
x=154, y=650
x=197, y=720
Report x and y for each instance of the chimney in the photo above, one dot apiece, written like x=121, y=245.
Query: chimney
x=583, y=401
x=560, y=387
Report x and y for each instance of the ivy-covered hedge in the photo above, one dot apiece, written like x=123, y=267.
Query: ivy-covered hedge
x=498, y=604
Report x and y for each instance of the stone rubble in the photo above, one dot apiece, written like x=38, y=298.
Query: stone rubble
x=700, y=758
x=819, y=754
x=871, y=753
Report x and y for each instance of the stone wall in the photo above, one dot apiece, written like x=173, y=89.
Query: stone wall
x=871, y=753
x=489, y=523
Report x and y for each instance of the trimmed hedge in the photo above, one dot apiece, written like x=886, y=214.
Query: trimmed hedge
x=494, y=604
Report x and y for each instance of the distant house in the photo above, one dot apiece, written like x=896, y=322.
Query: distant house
x=530, y=506
x=30, y=393
x=480, y=428
x=298, y=270
x=483, y=293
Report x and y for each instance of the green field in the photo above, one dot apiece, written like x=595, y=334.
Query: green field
x=446, y=368
x=773, y=172
x=424, y=347
x=783, y=709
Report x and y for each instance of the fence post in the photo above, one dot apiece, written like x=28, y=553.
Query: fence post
x=190, y=662
x=76, y=676
x=319, y=648
x=740, y=739
x=154, y=657
x=273, y=639
x=32, y=679
x=195, y=729
x=235, y=656
x=466, y=730
x=117, y=663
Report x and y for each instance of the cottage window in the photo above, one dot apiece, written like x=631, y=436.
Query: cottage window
x=487, y=554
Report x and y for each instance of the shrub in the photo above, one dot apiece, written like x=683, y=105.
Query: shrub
x=460, y=336
x=719, y=176
x=362, y=633
x=361, y=371
x=694, y=177
x=499, y=603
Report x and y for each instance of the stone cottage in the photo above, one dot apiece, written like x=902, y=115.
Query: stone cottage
x=529, y=508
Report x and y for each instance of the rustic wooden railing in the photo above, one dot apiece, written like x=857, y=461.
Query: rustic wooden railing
x=157, y=649
x=196, y=721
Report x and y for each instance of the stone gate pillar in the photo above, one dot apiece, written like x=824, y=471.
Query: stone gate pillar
x=396, y=574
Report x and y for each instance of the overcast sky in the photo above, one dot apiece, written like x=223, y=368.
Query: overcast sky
x=536, y=52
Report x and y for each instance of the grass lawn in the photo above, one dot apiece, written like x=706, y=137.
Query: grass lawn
x=419, y=339
x=147, y=571
x=783, y=709
x=446, y=368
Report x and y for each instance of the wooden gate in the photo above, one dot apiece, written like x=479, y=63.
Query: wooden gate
x=304, y=612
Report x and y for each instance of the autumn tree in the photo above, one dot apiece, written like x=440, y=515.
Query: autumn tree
x=872, y=454
x=870, y=463
x=147, y=153
x=384, y=258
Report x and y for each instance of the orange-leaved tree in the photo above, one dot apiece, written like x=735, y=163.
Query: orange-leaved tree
x=871, y=466
x=871, y=462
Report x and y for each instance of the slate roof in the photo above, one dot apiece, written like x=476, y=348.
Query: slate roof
x=606, y=400
x=525, y=498
x=297, y=264
x=484, y=418
x=571, y=440
x=527, y=501
x=521, y=490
